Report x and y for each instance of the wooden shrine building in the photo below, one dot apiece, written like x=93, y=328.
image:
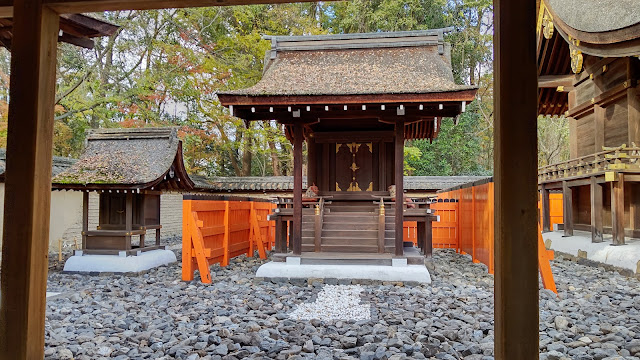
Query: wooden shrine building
x=354, y=99
x=588, y=70
x=35, y=31
x=129, y=168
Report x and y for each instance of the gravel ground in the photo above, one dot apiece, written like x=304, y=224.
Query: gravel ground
x=157, y=316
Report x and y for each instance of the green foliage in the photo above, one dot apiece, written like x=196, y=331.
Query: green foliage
x=553, y=140
x=165, y=67
x=455, y=150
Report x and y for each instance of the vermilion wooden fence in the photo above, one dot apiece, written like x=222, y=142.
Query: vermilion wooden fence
x=444, y=231
x=214, y=231
x=555, y=209
x=475, y=221
x=475, y=210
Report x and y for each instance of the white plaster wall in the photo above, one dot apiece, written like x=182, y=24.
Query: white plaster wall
x=171, y=215
x=66, y=217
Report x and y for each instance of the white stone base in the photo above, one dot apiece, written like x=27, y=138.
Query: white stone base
x=408, y=273
x=119, y=264
x=623, y=256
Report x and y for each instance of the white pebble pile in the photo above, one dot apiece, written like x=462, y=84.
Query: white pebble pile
x=335, y=302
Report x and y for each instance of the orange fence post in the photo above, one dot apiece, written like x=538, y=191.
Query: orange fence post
x=255, y=236
x=491, y=205
x=198, y=246
x=252, y=239
x=187, y=257
x=225, y=240
x=544, y=265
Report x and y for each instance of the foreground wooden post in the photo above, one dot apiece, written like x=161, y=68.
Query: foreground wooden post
x=297, y=189
x=399, y=180
x=28, y=181
x=596, y=211
x=515, y=174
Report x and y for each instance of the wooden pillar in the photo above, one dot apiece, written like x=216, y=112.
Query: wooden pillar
x=312, y=161
x=617, y=210
x=128, y=218
x=598, y=132
x=515, y=175
x=399, y=180
x=142, y=199
x=158, y=229
x=596, y=211
x=85, y=218
x=567, y=209
x=297, y=189
x=27, y=201
x=281, y=235
x=544, y=209
x=634, y=205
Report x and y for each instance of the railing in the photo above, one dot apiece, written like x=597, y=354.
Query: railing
x=611, y=159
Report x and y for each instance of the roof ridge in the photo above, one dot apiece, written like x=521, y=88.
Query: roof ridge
x=132, y=133
x=370, y=35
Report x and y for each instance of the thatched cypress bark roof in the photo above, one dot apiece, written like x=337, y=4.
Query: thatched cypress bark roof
x=128, y=159
x=410, y=62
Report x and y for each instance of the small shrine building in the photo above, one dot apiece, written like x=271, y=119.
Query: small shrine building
x=129, y=168
x=354, y=99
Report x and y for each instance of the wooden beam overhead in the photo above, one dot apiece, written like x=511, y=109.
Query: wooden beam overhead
x=553, y=81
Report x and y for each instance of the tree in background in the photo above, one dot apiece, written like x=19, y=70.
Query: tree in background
x=165, y=67
x=553, y=140
x=455, y=150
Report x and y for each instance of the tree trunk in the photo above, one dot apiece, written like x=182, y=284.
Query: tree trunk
x=246, y=150
x=275, y=160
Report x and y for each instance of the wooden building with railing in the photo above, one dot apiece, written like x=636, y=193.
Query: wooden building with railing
x=588, y=70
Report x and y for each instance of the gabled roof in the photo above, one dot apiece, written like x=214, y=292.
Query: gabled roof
x=128, y=159
x=411, y=62
x=59, y=165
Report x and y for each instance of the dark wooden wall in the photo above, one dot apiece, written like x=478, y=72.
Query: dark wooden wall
x=607, y=94
x=333, y=166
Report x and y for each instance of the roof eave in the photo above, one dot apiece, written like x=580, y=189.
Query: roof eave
x=467, y=94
